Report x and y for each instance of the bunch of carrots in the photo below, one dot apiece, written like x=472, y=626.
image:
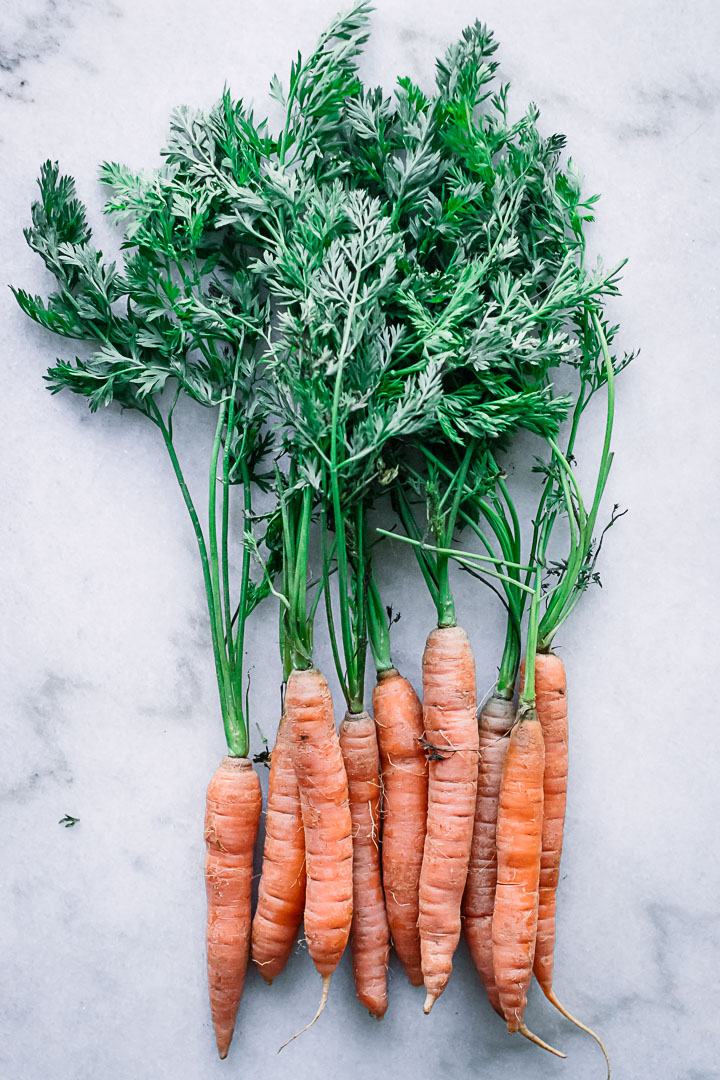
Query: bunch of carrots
x=373, y=303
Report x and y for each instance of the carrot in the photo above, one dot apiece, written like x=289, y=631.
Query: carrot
x=327, y=825
x=519, y=845
x=399, y=720
x=369, y=932
x=281, y=893
x=234, y=802
x=551, y=705
x=452, y=734
x=479, y=898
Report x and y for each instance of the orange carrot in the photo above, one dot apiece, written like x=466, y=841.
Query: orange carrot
x=451, y=733
x=322, y=783
x=551, y=706
x=281, y=893
x=479, y=898
x=369, y=933
x=399, y=720
x=234, y=803
x=519, y=844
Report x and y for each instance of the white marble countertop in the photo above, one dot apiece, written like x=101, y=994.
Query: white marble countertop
x=109, y=706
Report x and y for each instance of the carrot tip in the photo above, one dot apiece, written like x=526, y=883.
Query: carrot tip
x=539, y=1042
x=550, y=995
x=321, y=1006
x=429, y=1002
x=223, y=1047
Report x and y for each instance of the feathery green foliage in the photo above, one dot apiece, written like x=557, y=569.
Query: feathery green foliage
x=378, y=297
x=177, y=319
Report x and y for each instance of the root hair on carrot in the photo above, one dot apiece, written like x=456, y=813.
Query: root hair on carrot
x=525, y=1030
x=550, y=995
x=321, y=1006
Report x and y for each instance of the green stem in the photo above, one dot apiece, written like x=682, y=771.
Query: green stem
x=187, y=498
x=567, y=595
x=357, y=681
x=469, y=557
x=235, y=728
x=527, y=697
x=298, y=631
x=427, y=568
x=299, y=582
x=327, y=558
x=237, y=649
x=510, y=662
x=349, y=646
x=446, y=602
x=378, y=631
x=226, y=520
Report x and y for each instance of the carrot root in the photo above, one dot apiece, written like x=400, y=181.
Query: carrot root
x=327, y=823
x=399, y=721
x=451, y=731
x=429, y=1002
x=369, y=930
x=281, y=892
x=496, y=720
x=234, y=802
x=321, y=1006
x=549, y=994
x=524, y=1030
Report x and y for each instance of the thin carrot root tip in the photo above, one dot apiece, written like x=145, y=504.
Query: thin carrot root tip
x=429, y=1002
x=321, y=1006
x=539, y=1042
x=550, y=995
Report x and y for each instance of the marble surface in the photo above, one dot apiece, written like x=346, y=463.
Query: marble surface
x=109, y=706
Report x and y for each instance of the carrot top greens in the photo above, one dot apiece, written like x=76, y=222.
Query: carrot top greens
x=172, y=321
x=372, y=300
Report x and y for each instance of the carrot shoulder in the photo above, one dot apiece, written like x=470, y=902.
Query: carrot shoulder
x=519, y=845
x=369, y=933
x=233, y=807
x=281, y=893
x=449, y=708
x=399, y=719
x=322, y=783
x=496, y=720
